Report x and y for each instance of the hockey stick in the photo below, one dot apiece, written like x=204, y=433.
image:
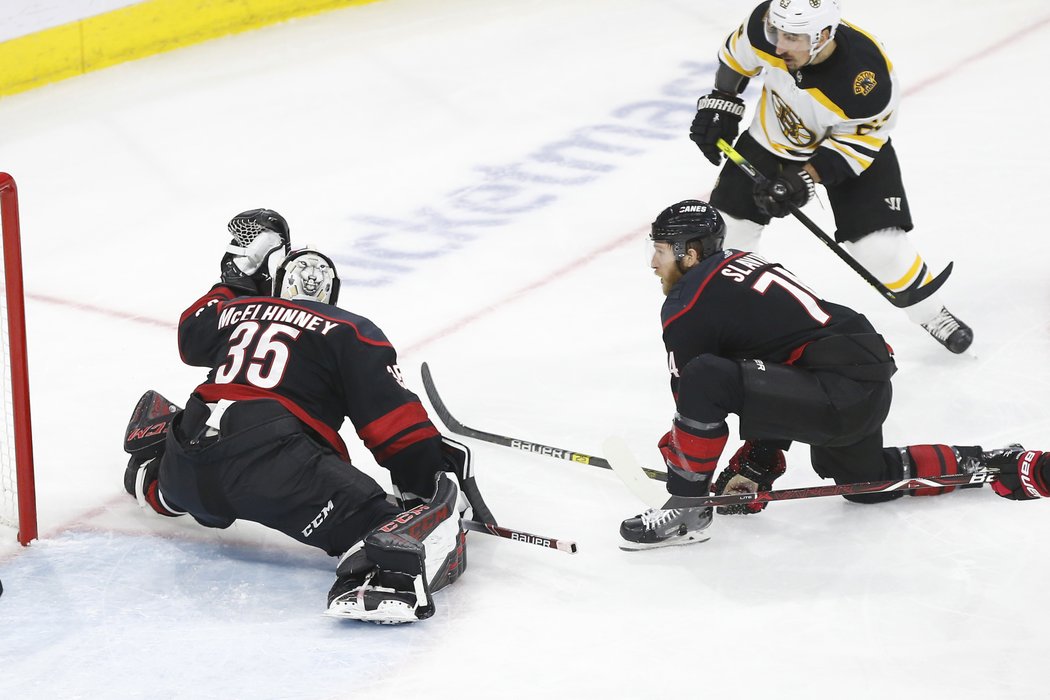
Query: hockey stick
x=628, y=469
x=567, y=546
x=556, y=452
x=899, y=299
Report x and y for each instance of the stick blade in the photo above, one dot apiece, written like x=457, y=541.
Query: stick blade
x=624, y=464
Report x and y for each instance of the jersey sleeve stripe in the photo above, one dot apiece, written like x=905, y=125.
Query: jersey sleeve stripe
x=727, y=58
x=874, y=143
x=389, y=449
x=828, y=104
x=858, y=161
x=393, y=424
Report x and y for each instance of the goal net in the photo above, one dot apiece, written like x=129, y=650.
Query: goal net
x=17, y=490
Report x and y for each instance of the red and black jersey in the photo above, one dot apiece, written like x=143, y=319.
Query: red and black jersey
x=739, y=306
x=320, y=362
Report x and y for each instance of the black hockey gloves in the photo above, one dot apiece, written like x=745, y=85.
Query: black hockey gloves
x=717, y=117
x=1024, y=475
x=791, y=189
x=753, y=468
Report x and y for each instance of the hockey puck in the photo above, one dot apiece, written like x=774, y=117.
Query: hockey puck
x=1, y=587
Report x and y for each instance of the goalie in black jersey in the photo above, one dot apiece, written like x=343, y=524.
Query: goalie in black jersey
x=744, y=336
x=830, y=99
x=258, y=439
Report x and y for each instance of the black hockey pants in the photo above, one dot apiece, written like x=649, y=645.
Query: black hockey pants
x=839, y=416
x=263, y=467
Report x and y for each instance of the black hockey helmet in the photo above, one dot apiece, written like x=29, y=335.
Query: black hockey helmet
x=687, y=221
x=307, y=273
x=248, y=224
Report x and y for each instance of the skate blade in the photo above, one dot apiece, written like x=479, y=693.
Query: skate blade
x=693, y=538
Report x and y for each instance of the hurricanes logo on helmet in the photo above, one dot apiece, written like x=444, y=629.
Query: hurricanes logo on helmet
x=864, y=83
x=815, y=4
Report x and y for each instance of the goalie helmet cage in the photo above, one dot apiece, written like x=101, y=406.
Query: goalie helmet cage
x=17, y=486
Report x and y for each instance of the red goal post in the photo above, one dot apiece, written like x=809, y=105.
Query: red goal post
x=17, y=484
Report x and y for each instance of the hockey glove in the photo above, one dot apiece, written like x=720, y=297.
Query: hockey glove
x=753, y=468
x=790, y=190
x=1024, y=475
x=141, y=480
x=248, y=270
x=717, y=117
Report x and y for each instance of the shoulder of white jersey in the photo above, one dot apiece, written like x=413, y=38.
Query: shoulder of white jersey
x=756, y=30
x=858, y=79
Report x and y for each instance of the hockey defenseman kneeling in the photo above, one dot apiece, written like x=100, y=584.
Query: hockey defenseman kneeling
x=259, y=439
x=392, y=574
x=745, y=336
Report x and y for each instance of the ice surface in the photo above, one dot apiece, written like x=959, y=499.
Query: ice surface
x=484, y=173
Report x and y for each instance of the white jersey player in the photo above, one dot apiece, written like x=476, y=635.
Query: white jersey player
x=829, y=102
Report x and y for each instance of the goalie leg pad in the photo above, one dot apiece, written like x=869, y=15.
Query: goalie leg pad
x=416, y=554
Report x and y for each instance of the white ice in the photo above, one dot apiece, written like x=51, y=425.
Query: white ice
x=440, y=151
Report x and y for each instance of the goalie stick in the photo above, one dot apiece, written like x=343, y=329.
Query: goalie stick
x=567, y=546
x=899, y=299
x=556, y=452
x=630, y=472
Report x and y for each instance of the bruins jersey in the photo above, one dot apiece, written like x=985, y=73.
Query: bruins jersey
x=320, y=362
x=739, y=306
x=838, y=112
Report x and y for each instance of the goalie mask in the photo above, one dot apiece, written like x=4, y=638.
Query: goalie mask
x=307, y=274
x=688, y=221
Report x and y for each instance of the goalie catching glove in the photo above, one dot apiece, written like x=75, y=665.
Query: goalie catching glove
x=260, y=242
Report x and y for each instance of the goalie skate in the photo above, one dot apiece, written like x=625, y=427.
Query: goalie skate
x=369, y=601
x=390, y=576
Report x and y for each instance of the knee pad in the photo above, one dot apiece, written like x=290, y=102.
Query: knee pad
x=710, y=388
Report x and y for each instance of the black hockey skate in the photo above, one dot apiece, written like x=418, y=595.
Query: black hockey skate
x=949, y=331
x=664, y=528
